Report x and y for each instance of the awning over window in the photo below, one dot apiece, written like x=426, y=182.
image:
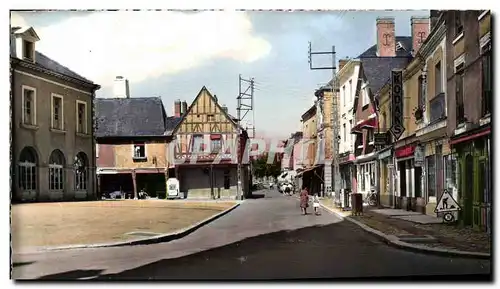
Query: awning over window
x=465, y=138
x=367, y=123
x=307, y=170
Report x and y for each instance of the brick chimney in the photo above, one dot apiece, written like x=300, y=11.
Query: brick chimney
x=342, y=63
x=184, y=107
x=386, y=37
x=177, y=108
x=419, y=31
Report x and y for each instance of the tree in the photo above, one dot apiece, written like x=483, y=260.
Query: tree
x=262, y=168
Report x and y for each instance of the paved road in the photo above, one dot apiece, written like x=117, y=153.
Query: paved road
x=264, y=238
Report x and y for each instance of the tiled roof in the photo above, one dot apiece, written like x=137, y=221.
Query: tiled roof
x=127, y=117
x=47, y=63
x=406, y=41
x=171, y=123
x=378, y=70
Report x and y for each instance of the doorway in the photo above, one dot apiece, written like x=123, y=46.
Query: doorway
x=469, y=188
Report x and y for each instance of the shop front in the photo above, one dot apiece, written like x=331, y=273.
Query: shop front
x=346, y=174
x=472, y=174
x=367, y=178
x=386, y=179
x=409, y=190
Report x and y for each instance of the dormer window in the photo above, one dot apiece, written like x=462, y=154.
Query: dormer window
x=28, y=50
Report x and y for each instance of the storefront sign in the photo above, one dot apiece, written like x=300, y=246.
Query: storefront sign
x=380, y=139
x=384, y=154
x=397, y=127
x=406, y=151
x=419, y=156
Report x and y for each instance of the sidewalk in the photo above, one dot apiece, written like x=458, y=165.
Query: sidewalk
x=421, y=230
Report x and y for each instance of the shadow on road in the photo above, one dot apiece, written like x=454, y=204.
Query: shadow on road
x=338, y=250
x=256, y=196
x=19, y=264
x=72, y=275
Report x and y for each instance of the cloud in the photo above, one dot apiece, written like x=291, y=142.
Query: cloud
x=142, y=45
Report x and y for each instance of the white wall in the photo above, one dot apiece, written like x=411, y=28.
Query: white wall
x=346, y=106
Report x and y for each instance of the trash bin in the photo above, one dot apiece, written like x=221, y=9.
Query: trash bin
x=357, y=204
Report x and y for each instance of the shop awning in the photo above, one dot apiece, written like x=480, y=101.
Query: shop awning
x=460, y=139
x=307, y=170
x=370, y=122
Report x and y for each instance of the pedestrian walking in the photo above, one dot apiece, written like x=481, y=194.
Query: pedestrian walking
x=304, y=200
x=316, y=204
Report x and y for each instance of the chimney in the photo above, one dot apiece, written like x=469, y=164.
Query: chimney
x=342, y=62
x=121, y=88
x=419, y=31
x=184, y=107
x=177, y=108
x=386, y=37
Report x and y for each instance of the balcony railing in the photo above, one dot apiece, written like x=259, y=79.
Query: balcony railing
x=437, y=108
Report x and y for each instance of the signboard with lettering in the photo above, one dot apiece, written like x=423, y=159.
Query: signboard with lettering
x=397, y=127
x=419, y=156
x=380, y=139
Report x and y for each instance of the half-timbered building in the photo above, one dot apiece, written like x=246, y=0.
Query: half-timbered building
x=206, y=150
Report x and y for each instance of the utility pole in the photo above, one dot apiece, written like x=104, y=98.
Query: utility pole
x=245, y=104
x=334, y=124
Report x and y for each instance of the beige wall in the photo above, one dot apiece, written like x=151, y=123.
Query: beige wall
x=124, y=156
x=40, y=136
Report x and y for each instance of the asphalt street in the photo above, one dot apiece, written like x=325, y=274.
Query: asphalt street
x=264, y=239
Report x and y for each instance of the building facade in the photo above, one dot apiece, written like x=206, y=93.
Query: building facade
x=132, y=145
x=469, y=104
x=207, y=150
x=348, y=79
x=52, y=132
x=431, y=116
x=311, y=174
x=376, y=63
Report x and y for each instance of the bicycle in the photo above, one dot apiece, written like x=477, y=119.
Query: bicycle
x=371, y=198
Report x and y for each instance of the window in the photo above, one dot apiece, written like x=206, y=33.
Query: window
x=345, y=133
x=350, y=91
x=197, y=144
x=369, y=136
x=56, y=171
x=350, y=131
x=459, y=93
x=431, y=176
x=28, y=50
x=343, y=95
x=487, y=81
x=81, y=117
x=57, y=112
x=29, y=107
x=366, y=98
x=451, y=173
x=27, y=170
x=96, y=150
x=459, y=26
x=81, y=172
x=139, y=150
x=438, y=87
x=362, y=177
x=211, y=117
x=421, y=100
x=215, y=143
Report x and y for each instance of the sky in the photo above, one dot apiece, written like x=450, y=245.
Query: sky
x=173, y=54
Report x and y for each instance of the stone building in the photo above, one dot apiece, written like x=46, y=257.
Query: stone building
x=52, y=135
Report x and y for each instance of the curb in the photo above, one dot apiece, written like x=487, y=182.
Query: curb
x=145, y=241
x=394, y=241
